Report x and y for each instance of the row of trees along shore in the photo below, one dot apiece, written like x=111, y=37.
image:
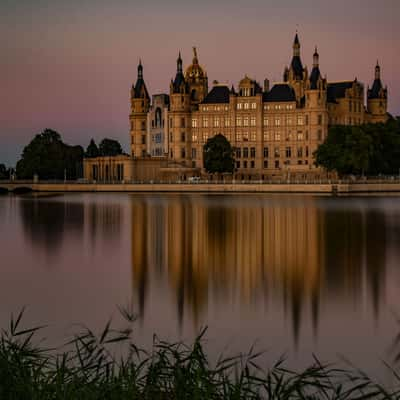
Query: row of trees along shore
x=50, y=158
x=371, y=149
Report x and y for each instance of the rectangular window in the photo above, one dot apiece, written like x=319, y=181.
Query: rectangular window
x=205, y=136
x=194, y=153
x=205, y=122
x=245, y=152
x=252, y=152
x=277, y=121
x=143, y=139
x=143, y=125
x=299, y=152
x=350, y=106
x=265, y=152
x=246, y=121
x=265, y=164
x=246, y=106
x=266, y=121
x=183, y=152
x=182, y=122
x=266, y=136
x=183, y=137
x=277, y=136
x=194, y=137
x=306, y=151
x=237, y=164
x=253, y=136
x=299, y=135
x=238, y=121
x=238, y=136
x=306, y=119
x=300, y=120
x=276, y=163
x=276, y=152
x=252, y=164
x=319, y=119
x=253, y=106
x=170, y=122
x=216, y=122
x=239, y=106
x=253, y=121
x=227, y=121
x=288, y=121
x=288, y=152
x=244, y=164
x=319, y=135
x=238, y=152
x=246, y=136
x=194, y=123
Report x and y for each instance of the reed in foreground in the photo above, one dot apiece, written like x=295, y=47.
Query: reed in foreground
x=110, y=366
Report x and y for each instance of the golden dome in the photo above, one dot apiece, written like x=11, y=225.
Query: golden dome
x=195, y=70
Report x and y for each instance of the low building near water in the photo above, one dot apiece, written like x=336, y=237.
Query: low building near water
x=108, y=168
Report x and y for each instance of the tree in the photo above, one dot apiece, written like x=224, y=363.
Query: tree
x=4, y=172
x=48, y=157
x=92, y=150
x=109, y=147
x=218, y=155
x=370, y=149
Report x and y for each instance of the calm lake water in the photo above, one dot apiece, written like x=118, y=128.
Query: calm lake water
x=292, y=274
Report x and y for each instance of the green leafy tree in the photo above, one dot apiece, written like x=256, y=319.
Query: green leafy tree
x=48, y=157
x=110, y=147
x=92, y=150
x=370, y=149
x=218, y=155
x=4, y=172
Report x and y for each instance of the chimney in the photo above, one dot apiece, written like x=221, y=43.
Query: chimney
x=266, y=85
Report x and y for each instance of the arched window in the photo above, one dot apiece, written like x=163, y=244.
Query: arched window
x=158, y=116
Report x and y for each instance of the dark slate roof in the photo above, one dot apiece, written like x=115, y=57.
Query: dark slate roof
x=297, y=67
x=373, y=93
x=337, y=90
x=179, y=80
x=296, y=39
x=218, y=94
x=140, y=90
x=279, y=93
x=315, y=74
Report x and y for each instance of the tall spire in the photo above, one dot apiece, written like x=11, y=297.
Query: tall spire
x=316, y=58
x=377, y=70
x=195, y=59
x=296, y=46
x=179, y=63
x=140, y=70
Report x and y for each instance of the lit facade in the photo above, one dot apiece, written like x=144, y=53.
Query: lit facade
x=272, y=129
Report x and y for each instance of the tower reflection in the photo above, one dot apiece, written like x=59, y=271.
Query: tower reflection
x=229, y=250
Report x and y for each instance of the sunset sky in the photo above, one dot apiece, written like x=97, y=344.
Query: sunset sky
x=69, y=65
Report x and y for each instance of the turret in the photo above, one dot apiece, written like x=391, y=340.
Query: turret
x=377, y=98
x=197, y=81
x=140, y=105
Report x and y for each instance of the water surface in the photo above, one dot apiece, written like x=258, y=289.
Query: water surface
x=294, y=274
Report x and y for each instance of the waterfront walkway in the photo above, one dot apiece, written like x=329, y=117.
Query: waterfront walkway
x=337, y=187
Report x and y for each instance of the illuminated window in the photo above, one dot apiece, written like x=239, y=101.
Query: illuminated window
x=205, y=122
x=265, y=152
x=246, y=136
x=238, y=121
x=253, y=106
x=299, y=152
x=300, y=120
x=299, y=135
x=277, y=136
x=266, y=121
x=194, y=137
x=227, y=121
x=253, y=121
x=266, y=136
x=216, y=122
x=239, y=106
x=276, y=152
x=253, y=136
x=246, y=121
x=277, y=121
x=194, y=123
x=246, y=106
x=288, y=120
x=238, y=137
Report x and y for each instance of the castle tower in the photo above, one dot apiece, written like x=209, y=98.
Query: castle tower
x=196, y=78
x=377, y=99
x=296, y=75
x=140, y=105
x=179, y=119
x=316, y=105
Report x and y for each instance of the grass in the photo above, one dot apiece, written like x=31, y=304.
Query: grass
x=109, y=365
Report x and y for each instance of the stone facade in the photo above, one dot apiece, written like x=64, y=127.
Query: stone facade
x=274, y=131
x=108, y=169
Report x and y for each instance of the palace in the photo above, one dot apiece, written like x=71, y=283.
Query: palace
x=274, y=130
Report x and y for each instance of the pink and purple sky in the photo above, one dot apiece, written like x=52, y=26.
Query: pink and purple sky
x=69, y=65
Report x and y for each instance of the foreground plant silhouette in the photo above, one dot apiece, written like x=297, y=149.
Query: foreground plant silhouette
x=88, y=368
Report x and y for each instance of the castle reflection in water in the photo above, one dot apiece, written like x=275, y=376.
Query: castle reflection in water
x=299, y=251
